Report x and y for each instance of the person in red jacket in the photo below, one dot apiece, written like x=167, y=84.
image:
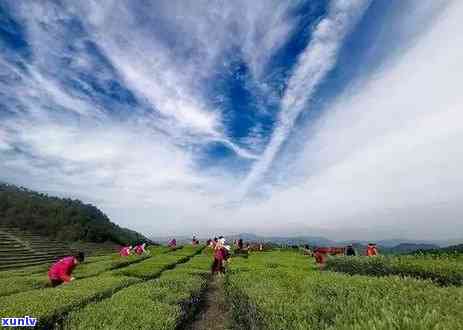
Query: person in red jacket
x=140, y=249
x=372, y=250
x=125, y=251
x=320, y=257
x=60, y=272
x=219, y=257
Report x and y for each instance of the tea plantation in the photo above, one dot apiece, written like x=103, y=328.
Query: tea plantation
x=279, y=289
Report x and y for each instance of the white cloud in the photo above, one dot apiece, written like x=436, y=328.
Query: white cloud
x=66, y=140
x=385, y=153
x=4, y=144
x=313, y=64
x=386, y=156
x=172, y=84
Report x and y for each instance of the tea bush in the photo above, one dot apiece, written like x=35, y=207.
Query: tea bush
x=22, y=283
x=26, y=271
x=48, y=304
x=18, y=281
x=443, y=271
x=152, y=267
x=162, y=303
x=286, y=297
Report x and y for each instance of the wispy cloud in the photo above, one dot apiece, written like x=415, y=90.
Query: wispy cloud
x=112, y=106
x=313, y=64
x=384, y=158
x=112, y=103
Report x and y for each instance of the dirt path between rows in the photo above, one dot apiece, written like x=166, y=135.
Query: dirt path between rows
x=213, y=313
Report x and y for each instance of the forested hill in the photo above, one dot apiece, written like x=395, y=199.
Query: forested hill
x=58, y=218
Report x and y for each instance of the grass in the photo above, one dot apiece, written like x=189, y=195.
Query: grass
x=268, y=291
x=442, y=271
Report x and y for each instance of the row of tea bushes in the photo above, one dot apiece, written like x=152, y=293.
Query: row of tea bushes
x=268, y=291
x=50, y=305
x=36, y=277
x=162, y=303
x=444, y=271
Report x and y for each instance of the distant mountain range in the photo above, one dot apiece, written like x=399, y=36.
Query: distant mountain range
x=313, y=240
x=396, y=245
x=449, y=249
x=282, y=240
x=408, y=248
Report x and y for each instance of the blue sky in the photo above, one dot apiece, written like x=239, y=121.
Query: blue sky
x=318, y=117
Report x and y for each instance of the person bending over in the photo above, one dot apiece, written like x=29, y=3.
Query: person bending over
x=60, y=272
x=350, y=251
x=372, y=250
x=125, y=251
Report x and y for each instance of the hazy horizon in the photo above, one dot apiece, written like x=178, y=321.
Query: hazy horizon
x=340, y=118
x=338, y=235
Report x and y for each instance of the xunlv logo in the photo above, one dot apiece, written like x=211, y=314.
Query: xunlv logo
x=25, y=321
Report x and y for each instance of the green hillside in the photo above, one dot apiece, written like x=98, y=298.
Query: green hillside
x=62, y=219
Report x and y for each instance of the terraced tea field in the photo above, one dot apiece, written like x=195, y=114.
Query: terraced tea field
x=23, y=249
x=268, y=290
x=102, y=282
x=20, y=249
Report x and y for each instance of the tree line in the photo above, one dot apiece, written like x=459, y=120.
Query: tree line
x=59, y=218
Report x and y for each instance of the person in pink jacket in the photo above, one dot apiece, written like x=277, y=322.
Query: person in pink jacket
x=60, y=272
x=125, y=251
x=173, y=243
x=140, y=249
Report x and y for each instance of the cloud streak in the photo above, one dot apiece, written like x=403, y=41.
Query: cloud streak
x=123, y=106
x=313, y=64
x=384, y=158
x=106, y=108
